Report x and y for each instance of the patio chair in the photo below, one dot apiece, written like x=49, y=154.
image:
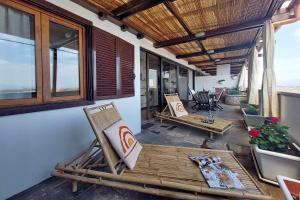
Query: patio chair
x=220, y=126
x=160, y=170
x=203, y=98
x=216, y=101
x=195, y=99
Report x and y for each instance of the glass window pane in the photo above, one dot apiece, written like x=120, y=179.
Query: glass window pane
x=64, y=61
x=17, y=54
x=169, y=78
x=183, y=84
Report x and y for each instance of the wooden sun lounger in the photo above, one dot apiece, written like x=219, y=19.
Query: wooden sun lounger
x=160, y=170
x=220, y=126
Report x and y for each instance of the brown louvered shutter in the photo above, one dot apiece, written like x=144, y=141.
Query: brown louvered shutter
x=126, y=53
x=105, y=53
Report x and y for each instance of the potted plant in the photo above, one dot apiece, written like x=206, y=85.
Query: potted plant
x=243, y=104
x=234, y=97
x=251, y=116
x=271, y=146
x=222, y=81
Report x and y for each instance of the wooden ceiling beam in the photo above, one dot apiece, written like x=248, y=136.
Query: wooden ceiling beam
x=212, y=33
x=175, y=13
x=214, y=65
x=209, y=71
x=133, y=7
x=275, y=5
x=236, y=66
x=209, y=68
x=220, y=50
x=105, y=15
x=222, y=59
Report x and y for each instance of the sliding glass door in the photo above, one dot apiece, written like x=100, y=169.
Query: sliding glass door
x=169, y=77
x=150, y=85
x=183, y=81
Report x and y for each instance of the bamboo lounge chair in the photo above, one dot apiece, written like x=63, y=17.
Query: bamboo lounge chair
x=220, y=126
x=160, y=170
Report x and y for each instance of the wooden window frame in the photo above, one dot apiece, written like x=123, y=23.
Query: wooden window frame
x=44, y=101
x=38, y=57
x=46, y=19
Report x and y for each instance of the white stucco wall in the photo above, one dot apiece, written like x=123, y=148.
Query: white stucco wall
x=31, y=144
x=289, y=114
x=211, y=82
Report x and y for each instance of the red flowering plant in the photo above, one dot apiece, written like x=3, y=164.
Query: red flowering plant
x=271, y=136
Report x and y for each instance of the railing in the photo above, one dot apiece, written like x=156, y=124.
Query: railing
x=289, y=107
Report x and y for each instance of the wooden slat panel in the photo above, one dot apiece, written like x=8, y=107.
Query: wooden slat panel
x=170, y=163
x=230, y=39
x=105, y=48
x=230, y=54
x=203, y=15
x=185, y=48
x=126, y=52
x=158, y=22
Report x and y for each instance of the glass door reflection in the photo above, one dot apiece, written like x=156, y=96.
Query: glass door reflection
x=153, y=84
x=169, y=78
x=183, y=84
x=150, y=85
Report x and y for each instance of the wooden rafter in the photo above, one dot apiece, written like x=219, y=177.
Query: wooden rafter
x=220, y=50
x=105, y=15
x=212, y=33
x=224, y=30
x=116, y=13
x=235, y=64
x=223, y=59
x=175, y=13
x=133, y=7
x=276, y=4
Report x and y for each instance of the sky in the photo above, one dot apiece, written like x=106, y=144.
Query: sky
x=287, y=55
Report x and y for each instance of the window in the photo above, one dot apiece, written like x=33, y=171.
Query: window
x=41, y=57
x=114, y=66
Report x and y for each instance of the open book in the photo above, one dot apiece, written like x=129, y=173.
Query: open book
x=216, y=174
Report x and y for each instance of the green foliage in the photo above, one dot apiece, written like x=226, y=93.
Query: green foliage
x=251, y=110
x=273, y=137
x=244, y=101
x=234, y=91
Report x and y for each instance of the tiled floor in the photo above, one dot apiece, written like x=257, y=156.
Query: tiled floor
x=235, y=139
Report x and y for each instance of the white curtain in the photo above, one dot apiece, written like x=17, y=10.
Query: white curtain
x=243, y=79
x=16, y=23
x=253, y=73
x=269, y=92
x=17, y=54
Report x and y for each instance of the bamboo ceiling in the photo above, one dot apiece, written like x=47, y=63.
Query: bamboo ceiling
x=171, y=23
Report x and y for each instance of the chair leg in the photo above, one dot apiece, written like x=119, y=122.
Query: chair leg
x=220, y=107
x=74, y=186
x=211, y=135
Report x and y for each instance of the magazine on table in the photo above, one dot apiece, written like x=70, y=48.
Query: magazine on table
x=216, y=174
